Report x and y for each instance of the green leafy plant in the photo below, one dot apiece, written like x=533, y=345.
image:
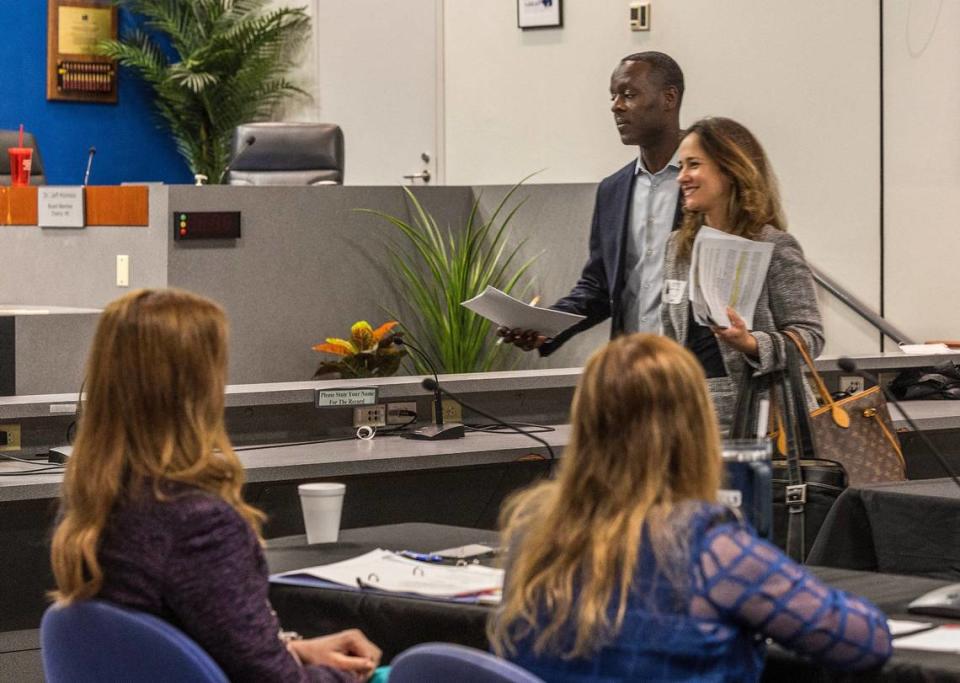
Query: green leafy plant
x=436, y=269
x=212, y=65
x=368, y=353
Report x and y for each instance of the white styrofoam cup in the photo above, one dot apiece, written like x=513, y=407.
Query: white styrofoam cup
x=322, y=503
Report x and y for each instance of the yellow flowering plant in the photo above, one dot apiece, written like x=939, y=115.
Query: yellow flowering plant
x=367, y=353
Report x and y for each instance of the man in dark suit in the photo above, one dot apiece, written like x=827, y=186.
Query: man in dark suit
x=635, y=210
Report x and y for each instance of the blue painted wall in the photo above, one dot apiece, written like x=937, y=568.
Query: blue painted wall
x=131, y=145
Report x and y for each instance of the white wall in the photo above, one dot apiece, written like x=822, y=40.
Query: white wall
x=371, y=67
x=804, y=76
x=922, y=169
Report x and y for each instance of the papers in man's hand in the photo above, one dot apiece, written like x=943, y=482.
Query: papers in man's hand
x=504, y=310
x=726, y=270
x=385, y=570
x=944, y=638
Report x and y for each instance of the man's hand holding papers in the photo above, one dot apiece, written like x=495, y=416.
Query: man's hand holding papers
x=526, y=325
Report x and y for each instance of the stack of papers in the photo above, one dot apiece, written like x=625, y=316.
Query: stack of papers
x=388, y=571
x=726, y=270
x=903, y=627
x=511, y=313
x=944, y=638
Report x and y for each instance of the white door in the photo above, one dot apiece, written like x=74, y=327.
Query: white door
x=378, y=76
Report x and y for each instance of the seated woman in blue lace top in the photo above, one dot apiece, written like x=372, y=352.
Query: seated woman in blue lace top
x=625, y=567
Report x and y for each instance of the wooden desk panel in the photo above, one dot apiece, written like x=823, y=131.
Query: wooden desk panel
x=126, y=205
x=117, y=205
x=18, y=205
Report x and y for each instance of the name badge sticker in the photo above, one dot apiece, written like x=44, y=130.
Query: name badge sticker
x=673, y=291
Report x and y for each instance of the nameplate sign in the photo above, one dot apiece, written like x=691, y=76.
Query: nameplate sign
x=333, y=398
x=60, y=207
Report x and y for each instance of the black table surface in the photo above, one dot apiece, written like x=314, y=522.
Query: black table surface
x=398, y=622
x=910, y=527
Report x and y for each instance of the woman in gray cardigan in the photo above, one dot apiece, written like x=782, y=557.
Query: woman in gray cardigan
x=727, y=184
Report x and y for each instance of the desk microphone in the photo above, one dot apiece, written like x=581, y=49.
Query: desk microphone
x=247, y=144
x=848, y=365
x=432, y=385
x=90, y=153
x=438, y=430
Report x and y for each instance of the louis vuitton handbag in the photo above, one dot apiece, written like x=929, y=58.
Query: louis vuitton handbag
x=855, y=432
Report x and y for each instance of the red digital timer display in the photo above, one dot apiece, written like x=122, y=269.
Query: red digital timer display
x=206, y=225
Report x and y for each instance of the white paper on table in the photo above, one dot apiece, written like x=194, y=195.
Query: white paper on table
x=506, y=311
x=902, y=627
x=726, y=270
x=944, y=638
x=923, y=349
x=385, y=570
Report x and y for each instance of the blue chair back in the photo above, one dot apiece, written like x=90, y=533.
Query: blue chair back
x=91, y=641
x=444, y=662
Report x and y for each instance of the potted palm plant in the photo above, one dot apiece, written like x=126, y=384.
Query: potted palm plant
x=437, y=268
x=212, y=65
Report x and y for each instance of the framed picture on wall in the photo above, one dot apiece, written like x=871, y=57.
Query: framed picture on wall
x=539, y=14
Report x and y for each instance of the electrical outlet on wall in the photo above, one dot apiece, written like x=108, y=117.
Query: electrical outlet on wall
x=851, y=383
x=399, y=413
x=452, y=412
x=370, y=416
x=9, y=437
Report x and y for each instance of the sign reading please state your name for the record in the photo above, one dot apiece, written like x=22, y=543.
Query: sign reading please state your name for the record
x=361, y=396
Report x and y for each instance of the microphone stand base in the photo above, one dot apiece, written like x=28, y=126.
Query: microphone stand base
x=451, y=430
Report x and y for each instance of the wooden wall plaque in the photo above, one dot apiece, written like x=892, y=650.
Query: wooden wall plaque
x=75, y=72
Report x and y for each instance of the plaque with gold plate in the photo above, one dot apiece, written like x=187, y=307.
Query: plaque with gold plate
x=75, y=72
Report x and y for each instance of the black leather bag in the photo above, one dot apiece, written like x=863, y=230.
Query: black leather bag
x=926, y=384
x=804, y=487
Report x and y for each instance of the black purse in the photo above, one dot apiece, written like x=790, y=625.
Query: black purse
x=804, y=486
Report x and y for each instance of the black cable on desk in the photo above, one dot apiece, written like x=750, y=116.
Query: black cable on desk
x=45, y=467
x=528, y=428
x=294, y=443
x=34, y=471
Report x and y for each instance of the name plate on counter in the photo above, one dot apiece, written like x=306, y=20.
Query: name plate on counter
x=60, y=207
x=332, y=398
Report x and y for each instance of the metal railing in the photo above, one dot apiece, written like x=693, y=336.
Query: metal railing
x=859, y=307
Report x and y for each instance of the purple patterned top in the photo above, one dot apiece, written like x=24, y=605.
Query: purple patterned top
x=193, y=561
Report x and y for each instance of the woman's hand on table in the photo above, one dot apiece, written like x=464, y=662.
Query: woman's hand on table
x=348, y=651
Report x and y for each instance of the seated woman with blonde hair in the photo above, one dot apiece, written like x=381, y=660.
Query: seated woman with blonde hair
x=152, y=516
x=626, y=568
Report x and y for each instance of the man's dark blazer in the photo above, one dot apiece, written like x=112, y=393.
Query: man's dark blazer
x=598, y=293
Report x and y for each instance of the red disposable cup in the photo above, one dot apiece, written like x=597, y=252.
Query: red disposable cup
x=21, y=159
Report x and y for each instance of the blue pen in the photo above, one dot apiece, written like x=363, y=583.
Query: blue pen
x=421, y=557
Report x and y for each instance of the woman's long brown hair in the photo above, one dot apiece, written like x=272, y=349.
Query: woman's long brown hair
x=754, y=195
x=153, y=413
x=644, y=440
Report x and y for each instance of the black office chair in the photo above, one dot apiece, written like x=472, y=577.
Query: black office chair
x=287, y=154
x=11, y=138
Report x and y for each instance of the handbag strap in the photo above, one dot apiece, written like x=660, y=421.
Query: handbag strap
x=745, y=416
x=799, y=438
x=795, y=494
x=839, y=415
